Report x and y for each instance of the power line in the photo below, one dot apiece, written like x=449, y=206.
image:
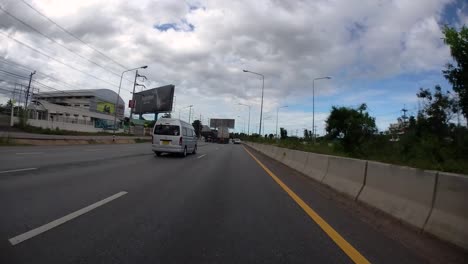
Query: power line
x=56, y=42
x=56, y=80
x=12, y=74
x=13, y=64
x=52, y=58
x=71, y=34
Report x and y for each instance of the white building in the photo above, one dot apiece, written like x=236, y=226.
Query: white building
x=76, y=110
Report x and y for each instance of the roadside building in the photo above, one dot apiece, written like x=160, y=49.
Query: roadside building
x=76, y=110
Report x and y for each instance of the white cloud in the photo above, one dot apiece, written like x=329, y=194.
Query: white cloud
x=290, y=42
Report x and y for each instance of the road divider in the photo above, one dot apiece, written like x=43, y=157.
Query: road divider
x=345, y=175
x=434, y=202
x=316, y=166
x=403, y=192
x=449, y=216
x=201, y=156
x=37, y=231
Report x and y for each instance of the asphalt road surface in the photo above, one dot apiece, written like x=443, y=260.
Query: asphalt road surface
x=121, y=204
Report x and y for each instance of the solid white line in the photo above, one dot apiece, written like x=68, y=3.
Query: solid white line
x=30, y=234
x=201, y=156
x=26, y=169
x=29, y=153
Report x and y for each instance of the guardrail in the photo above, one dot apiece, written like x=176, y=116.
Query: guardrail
x=434, y=202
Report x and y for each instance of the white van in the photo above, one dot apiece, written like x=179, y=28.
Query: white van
x=173, y=136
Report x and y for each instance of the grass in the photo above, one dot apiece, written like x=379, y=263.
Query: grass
x=433, y=158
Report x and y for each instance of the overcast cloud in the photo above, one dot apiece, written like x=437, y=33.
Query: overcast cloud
x=202, y=46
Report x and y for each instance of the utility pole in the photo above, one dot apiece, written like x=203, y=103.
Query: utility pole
x=404, y=110
x=135, y=84
x=133, y=95
x=27, y=91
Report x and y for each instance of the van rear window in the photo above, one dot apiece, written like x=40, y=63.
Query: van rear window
x=168, y=130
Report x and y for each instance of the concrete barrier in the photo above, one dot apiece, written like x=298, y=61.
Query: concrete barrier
x=402, y=192
x=281, y=154
x=276, y=153
x=316, y=166
x=345, y=175
x=268, y=150
x=298, y=160
x=287, y=156
x=449, y=216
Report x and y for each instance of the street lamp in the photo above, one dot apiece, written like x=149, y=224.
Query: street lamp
x=248, y=124
x=261, y=106
x=277, y=110
x=243, y=126
x=313, y=103
x=190, y=112
x=118, y=96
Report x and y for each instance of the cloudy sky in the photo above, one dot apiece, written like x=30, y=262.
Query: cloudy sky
x=377, y=52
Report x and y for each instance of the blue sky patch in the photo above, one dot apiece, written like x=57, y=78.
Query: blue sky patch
x=183, y=26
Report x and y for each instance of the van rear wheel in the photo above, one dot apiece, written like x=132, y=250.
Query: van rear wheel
x=157, y=153
x=184, y=154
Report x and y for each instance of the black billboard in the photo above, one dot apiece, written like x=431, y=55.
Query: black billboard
x=156, y=100
x=216, y=122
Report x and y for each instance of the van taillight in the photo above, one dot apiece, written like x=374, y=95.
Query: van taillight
x=180, y=141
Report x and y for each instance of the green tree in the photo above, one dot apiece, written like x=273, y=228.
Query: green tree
x=437, y=112
x=283, y=133
x=270, y=136
x=306, y=134
x=457, y=74
x=198, y=126
x=352, y=126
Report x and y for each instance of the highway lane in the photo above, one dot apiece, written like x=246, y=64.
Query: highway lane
x=218, y=206
x=17, y=158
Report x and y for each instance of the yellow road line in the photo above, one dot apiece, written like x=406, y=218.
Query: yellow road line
x=337, y=238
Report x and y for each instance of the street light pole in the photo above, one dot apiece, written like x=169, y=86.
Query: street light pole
x=277, y=110
x=313, y=104
x=261, y=105
x=118, y=96
x=190, y=113
x=248, y=124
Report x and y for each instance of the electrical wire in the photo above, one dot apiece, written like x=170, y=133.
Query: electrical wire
x=56, y=80
x=56, y=42
x=71, y=34
x=52, y=58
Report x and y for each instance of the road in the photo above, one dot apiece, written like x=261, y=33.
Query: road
x=121, y=204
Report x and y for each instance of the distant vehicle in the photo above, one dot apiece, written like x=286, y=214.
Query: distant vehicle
x=173, y=136
x=223, y=135
x=236, y=141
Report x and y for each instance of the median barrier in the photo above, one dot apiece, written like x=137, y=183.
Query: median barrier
x=298, y=160
x=345, y=175
x=403, y=192
x=281, y=154
x=264, y=149
x=316, y=166
x=270, y=151
x=287, y=156
x=276, y=153
x=449, y=216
